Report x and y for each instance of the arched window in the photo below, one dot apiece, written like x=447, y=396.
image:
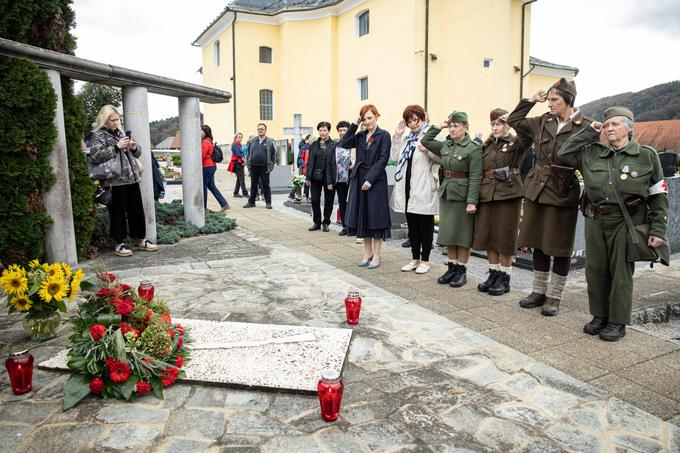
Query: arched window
x=216, y=52
x=265, y=54
x=362, y=23
x=266, y=105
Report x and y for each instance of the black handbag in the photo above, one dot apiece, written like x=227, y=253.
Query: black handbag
x=103, y=196
x=637, y=248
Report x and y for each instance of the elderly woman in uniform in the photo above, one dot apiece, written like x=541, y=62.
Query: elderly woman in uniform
x=500, y=200
x=415, y=188
x=551, y=192
x=636, y=172
x=458, y=194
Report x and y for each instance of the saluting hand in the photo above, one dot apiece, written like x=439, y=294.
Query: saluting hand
x=401, y=127
x=471, y=208
x=444, y=124
x=596, y=125
x=540, y=96
x=654, y=241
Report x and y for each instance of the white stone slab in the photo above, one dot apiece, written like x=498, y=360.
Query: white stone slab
x=256, y=355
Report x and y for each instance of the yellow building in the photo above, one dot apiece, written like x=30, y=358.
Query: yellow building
x=324, y=59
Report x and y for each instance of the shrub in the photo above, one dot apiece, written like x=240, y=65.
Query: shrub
x=177, y=160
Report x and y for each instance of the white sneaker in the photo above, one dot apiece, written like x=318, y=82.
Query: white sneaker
x=410, y=266
x=422, y=268
x=147, y=246
x=360, y=240
x=122, y=250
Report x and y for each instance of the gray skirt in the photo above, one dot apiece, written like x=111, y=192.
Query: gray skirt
x=456, y=227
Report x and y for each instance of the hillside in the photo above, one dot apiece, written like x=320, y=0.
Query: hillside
x=161, y=129
x=660, y=102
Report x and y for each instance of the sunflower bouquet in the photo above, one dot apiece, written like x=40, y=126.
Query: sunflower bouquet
x=39, y=291
x=123, y=346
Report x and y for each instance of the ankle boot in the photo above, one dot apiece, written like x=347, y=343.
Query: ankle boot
x=484, y=287
x=532, y=300
x=460, y=277
x=448, y=275
x=613, y=332
x=551, y=306
x=596, y=325
x=501, y=285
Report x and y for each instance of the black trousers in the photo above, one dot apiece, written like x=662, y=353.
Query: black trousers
x=259, y=176
x=420, y=234
x=328, y=197
x=342, y=188
x=240, y=180
x=127, y=212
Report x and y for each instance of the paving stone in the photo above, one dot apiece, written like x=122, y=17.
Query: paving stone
x=301, y=444
x=52, y=391
x=574, y=439
x=641, y=397
x=623, y=415
x=27, y=412
x=132, y=413
x=523, y=414
x=500, y=434
x=247, y=400
x=521, y=383
x=175, y=445
x=381, y=434
x=425, y=376
x=369, y=411
x=587, y=418
x=175, y=395
x=442, y=396
x=257, y=424
x=464, y=417
x=637, y=443
x=573, y=366
x=235, y=440
x=207, y=397
x=360, y=391
x=541, y=445
x=551, y=377
x=63, y=438
x=12, y=435
x=313, y=422
x=339, y=441
x=287, y=407
x=423, y=425
x=196, y=423
x=243, y=449
x=477, y=369
x=126, y=436
x=554, y=401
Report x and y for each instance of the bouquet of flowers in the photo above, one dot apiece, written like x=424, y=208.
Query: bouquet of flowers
x=299, y=180
x=122, y=345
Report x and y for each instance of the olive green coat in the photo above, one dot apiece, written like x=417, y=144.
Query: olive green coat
x=505, y=151
x=539, y=186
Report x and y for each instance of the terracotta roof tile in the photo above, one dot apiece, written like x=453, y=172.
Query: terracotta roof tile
x=660, y=135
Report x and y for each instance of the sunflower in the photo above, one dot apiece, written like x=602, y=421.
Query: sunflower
x=53, y=270
x=14, y=281
x=53, y=288
x=75, y=284
x=22, y=302
x=34, y=264
x=67, y=269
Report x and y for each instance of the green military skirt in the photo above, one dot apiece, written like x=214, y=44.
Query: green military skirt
x=496, y=226
x=456, y=227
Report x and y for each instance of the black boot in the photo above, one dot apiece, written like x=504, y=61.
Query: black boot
x=448, y=275
x=484, y=287
x=460, y=278
x=613, y=332
x=596, y=325
x=501, y=285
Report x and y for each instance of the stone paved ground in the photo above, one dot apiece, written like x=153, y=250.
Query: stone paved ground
x=418, y=377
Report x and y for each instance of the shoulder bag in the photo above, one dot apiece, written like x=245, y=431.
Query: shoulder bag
x=109, y=169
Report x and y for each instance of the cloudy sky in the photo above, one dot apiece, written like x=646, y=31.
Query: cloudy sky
x=618, y=45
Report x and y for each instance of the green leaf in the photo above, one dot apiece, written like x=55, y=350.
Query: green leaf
x=87, y=284
x=76, y=388
x=34, y=287
x=108, y=319
x=119, y=345
x=129, y=386
x=157, y=386
x=77, y=363
x=61, y=306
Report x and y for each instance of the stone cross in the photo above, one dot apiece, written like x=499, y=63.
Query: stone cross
x=297, y=131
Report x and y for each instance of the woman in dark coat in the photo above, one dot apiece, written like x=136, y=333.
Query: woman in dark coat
x=368, y=211
x=317, y=178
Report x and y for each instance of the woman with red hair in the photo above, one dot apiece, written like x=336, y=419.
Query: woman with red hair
x=368, y=211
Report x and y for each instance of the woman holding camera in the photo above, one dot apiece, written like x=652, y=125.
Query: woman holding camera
x=126, y=211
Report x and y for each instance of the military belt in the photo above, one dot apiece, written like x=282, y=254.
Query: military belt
x=608, y=208
x=455, y=174
x=493, y=173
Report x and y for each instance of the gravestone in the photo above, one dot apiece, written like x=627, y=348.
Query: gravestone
x=281, y=177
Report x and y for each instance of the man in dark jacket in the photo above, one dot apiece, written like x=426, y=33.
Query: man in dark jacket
x=261, y=160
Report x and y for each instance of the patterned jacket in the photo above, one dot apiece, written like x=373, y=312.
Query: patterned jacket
x=104, y=148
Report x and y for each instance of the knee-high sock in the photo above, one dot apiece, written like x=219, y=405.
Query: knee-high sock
x=556, y=286
x=540, y=284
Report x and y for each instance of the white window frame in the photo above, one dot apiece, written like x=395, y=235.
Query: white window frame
x=359, y=90
x=358, y=23
x=264, y=106
x=216, y=53
x=271, y=55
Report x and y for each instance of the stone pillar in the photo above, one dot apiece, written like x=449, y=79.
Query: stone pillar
x=60, y=242
x=136, y=116
x=192, y=171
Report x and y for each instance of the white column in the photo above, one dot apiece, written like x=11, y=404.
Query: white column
x=136, y=117
x=60, y=242
x=192, y=171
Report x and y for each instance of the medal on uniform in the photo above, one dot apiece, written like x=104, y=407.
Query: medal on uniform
x=624, y=177
x=505, y=148
x=634, y=174
x=625, y=169
x=460, y=157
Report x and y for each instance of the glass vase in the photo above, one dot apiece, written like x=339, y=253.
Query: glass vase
x=42, y=327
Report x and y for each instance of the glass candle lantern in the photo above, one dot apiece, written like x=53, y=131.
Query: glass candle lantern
x=146, y=290
x=330, y=395
x=20, y=368
x=353, y=307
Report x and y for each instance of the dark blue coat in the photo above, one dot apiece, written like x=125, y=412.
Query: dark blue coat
x=370, y=208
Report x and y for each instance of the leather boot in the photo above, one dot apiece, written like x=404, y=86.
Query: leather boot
x=483, y=287
x=551, y=306
x=501, y=285
x=459, y=278
x=595, y=326
x=532, y=300
x=613, y=332
x=448, y=275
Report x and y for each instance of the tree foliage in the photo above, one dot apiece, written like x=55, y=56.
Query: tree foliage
x=95, y=96
x=161, y=129
x=660, y=102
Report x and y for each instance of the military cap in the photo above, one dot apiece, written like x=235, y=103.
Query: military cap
x=499, y=114
x=458, y=117
x=618, y=110
x=564, y=85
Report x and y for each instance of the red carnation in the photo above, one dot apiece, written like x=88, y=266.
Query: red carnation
x=143, y=388
x=166, y=318
x=109, y=277
x=149, y=314
x=180, y=329
x=115, y=301
x=371, y=139
x=102, y=292
x=119, y=371
x=97, y=386
x=180, y=342
x=169, y=375
x=125, y=287
x=179, y=361
x=125, y=328
x=97, y=332
x=171, y=333
x=125, y=307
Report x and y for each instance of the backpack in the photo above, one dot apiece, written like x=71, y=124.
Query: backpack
x=217, y=154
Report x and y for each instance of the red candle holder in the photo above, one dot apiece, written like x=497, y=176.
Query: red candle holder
x=353, y=307
x=20, y=368
x=146, y=290
x=330, y=395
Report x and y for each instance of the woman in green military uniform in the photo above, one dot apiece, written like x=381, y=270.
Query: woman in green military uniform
x=458, y=193
x=638, y=176
x=497, y=219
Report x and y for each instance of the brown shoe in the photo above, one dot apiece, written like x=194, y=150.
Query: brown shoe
x=532, y=300
x=551, y=307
